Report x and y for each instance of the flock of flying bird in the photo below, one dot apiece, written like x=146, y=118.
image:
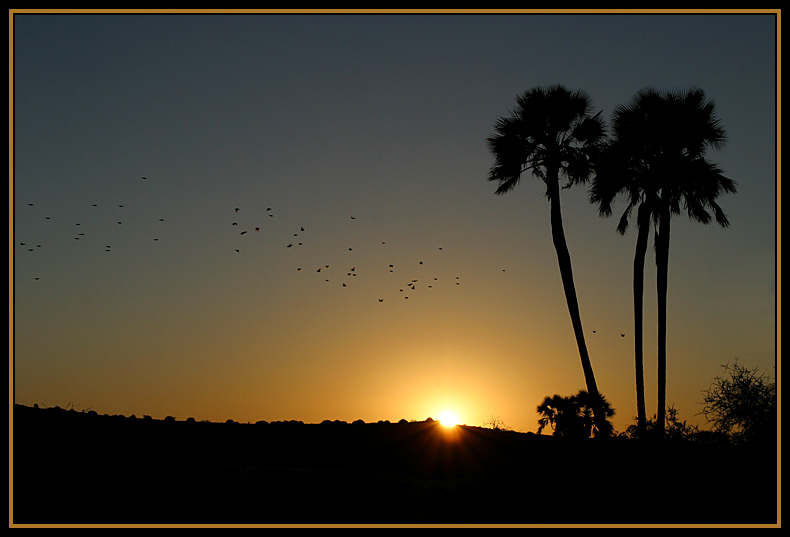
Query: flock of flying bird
x=324, y=268
x=80, y=231
x=86, y=232
x=405, y=289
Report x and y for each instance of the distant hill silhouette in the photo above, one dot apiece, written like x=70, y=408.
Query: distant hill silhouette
x=82, y=467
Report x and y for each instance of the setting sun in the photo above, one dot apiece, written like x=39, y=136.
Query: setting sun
x=448, y=418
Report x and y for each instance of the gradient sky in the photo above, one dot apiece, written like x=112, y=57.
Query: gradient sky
x=383, y=118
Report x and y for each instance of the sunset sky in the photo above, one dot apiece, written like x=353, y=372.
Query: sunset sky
x=179, y=180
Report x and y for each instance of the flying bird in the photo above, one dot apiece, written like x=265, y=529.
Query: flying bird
x=622, y=335
x=237, y=209
x=242, y=233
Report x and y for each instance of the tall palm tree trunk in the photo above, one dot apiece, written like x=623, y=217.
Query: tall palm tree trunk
x=662, y=268
x=643, y=225
x=566, y=274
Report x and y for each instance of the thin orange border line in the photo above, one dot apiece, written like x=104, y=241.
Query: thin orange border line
x=777, y=12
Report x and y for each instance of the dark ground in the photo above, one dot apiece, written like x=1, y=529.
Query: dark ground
x=85, y=468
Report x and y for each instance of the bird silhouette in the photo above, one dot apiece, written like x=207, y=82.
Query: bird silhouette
x=622, y=335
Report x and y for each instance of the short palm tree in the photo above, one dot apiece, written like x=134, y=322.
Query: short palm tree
x=657, y=159
x=572, y=417
x=551, y=134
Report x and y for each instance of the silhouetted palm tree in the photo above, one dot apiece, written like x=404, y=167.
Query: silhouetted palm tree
x=551, y=133
x=620, y=171
x=657, y=158
x=572, y=417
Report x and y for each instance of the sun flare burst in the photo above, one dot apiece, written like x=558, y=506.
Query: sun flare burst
x=448, y=418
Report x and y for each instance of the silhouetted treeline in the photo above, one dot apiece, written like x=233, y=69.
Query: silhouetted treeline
x=82, y=467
